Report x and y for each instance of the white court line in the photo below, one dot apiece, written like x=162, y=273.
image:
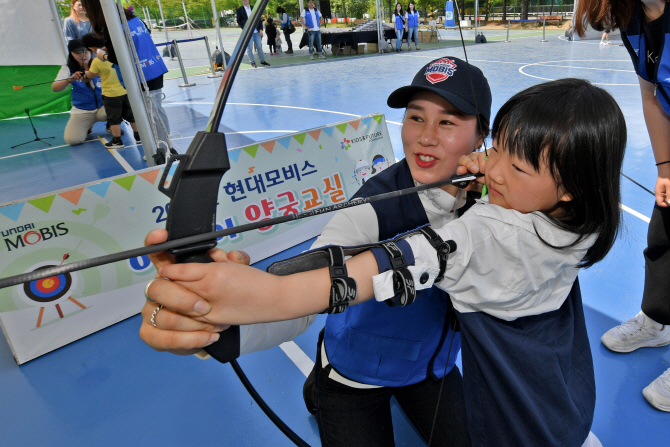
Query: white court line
x=122, y=161
x=297, y=356
x=34, y=152
x=635, y=213
x=544, y=64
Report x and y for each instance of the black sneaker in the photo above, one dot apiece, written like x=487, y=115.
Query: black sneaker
x=109, y=130
x=137, y=137
x=253, y=64
x=265, y=63
x=114, y=144
x=90, y=131
x=289, y=51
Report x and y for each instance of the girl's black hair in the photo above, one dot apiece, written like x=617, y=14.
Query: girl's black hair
x=97, y=18
x=269, y=20
x=395, y=11
x=280, y=10
x=411, y=3
x=578, y=130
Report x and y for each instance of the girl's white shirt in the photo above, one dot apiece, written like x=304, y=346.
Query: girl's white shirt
x=501, y=266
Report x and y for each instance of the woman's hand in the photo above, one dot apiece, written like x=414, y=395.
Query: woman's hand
x=662, y=188
x=75, y=77
x=473, y=163
x=179, y=333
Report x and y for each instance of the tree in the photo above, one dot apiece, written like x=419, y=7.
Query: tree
x=524, y=9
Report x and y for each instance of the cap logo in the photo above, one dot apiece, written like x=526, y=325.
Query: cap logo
x=440, y=70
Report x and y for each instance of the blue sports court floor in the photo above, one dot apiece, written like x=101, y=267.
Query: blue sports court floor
x=110, y=389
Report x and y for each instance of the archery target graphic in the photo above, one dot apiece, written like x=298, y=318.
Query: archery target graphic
x=51, y=290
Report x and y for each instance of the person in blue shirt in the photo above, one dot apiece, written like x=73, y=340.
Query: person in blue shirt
x=645, y=30
x=312, y=19
x=77, y=24
x=87, y=106
x=412, y=25
x=400, y=26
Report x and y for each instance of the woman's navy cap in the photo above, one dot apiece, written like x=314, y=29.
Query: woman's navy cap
x=453, y=80
x=75, y=45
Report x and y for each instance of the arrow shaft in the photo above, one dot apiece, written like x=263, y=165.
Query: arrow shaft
x=200, y=238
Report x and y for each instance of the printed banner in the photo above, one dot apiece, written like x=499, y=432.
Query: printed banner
x=294, y=173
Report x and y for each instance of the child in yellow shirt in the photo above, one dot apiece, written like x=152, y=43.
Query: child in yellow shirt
x=114, y=95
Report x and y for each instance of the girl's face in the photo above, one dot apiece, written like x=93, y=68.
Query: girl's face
x=515, y=184
x=398, y=7
x=410, y=7
x=78, y=8
x=434, y=134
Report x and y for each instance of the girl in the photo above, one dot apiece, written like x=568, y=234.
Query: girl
x=435, y=134
x=400, y=25
x=75, y=26
x=645, y=25
x=271, y=33
x=512, y=280
x=412, y=26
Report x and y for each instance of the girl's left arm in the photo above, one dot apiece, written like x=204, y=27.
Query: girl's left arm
x=658, y=126
x=237, y=294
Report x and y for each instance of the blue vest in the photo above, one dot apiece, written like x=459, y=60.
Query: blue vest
x=308, y=18
x=83, y=97
x=634, y=41
x=150, y=60
x=528, y=382
x=412, y=19
x=393, y=346
x=398, y=22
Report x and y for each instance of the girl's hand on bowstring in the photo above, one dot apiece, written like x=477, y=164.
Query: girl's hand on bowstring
x=473, y=163
x=662, y=188
x=179, y=331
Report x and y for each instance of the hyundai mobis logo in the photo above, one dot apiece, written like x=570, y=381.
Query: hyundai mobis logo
x=19, y=237
x=440, y=70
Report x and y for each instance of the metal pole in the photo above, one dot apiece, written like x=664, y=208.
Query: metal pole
x=509, y=22
x=476, y=16
x=544, y=39
x=127, y=67
x=167, y=38
x=211, y=63
x=55, y=16
x=188, y=24
x=218, y=32
x=181, y=65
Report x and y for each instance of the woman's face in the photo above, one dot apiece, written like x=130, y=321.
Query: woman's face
x=78, y=8
x=83, y=57
x=434, y=134
x=410, y=6
x=398, y=7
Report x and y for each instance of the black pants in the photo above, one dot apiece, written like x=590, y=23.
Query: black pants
x=287, y=37
x=656, y=297
x=355, y=417
x=118, y=109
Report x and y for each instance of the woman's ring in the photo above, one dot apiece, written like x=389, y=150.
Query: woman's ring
x=153, y=315
x=146, y=288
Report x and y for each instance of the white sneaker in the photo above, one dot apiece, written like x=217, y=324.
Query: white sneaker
x=638, y=332
x=322, y=56
x=311, y=57
x=603, y=43
x=658, y=392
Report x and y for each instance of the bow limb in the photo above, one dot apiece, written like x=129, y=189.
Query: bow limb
x=195, y=184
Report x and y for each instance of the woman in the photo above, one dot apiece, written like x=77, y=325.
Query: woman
x=644, y=25
x=285, y=25
x=409, y=353
x=412, y=25
x=87, y=107
x=400, y=26
x=153, y=67
x=78, y=23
